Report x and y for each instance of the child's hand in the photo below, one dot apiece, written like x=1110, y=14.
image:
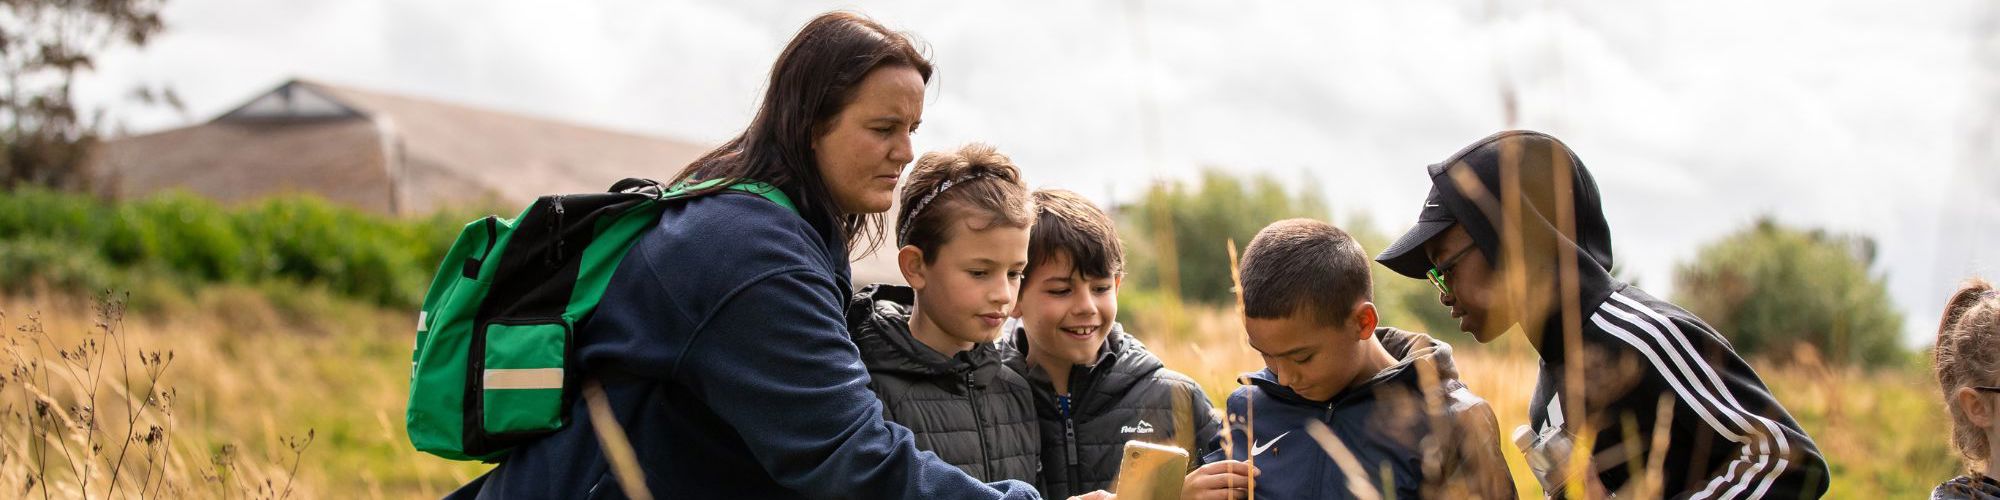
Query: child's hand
x=1227, y=479
x=1095, y=495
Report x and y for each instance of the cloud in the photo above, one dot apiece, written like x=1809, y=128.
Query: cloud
x=1696, y=117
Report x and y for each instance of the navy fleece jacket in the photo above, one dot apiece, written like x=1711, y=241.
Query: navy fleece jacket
x=723, y=351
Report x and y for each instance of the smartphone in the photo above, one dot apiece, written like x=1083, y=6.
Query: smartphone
x=1148, y=471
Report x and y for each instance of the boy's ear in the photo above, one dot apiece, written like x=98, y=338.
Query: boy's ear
x=1975, y=407
x=910, y=260
x=1364, y=318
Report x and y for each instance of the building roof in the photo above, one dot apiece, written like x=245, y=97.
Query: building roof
x=383, y=152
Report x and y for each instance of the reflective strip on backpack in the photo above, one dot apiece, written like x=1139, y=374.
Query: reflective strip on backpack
x=527, y=378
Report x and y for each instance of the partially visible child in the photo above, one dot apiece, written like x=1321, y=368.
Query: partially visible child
x=1968, y=371
x=1336, y=382
x=1095, y=385
x=963, y=232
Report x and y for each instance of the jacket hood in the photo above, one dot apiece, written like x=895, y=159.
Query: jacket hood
x=1410, y=349
x=878, y=319
x=1555, y=212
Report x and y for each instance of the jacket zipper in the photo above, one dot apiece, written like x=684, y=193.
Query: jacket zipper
x=1069, y=444
x=1077, y=381
x=979, y=420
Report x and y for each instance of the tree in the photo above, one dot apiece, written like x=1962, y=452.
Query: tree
x=1191, y=228
x=1770, y=288
x=44, y=46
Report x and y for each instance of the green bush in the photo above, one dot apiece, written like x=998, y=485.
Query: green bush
x=1770, y=288
x=35, y=260
x=83, y=242
x=1190, y=227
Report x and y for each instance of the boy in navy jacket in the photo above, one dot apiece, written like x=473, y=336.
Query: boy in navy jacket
x=1343, y=405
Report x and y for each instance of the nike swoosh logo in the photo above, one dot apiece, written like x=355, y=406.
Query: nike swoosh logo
x=1258, y=449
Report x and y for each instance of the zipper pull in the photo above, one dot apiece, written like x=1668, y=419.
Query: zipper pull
x=1069, y=439
x=555, y=230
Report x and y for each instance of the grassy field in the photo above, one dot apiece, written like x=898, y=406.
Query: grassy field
x=260, y=389
x=254, y=373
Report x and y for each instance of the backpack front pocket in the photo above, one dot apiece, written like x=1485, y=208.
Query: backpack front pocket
x=521, y=386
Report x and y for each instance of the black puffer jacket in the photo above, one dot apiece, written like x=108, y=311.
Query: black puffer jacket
x=1127, y=395
x=969, y=409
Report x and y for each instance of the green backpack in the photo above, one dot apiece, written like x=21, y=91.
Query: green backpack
x=495, y=338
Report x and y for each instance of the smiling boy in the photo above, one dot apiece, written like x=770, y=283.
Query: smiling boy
x=1095, y=385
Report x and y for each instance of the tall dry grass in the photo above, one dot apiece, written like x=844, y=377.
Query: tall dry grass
x=254, y=374
x=239, y=394
x=1883, y=431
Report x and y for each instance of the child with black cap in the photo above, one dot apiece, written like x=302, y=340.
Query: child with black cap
x=1512, y=236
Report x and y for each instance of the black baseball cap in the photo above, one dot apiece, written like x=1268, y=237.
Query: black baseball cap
x=1406, y=255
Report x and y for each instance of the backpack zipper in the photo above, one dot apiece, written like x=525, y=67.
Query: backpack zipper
x=555, y=230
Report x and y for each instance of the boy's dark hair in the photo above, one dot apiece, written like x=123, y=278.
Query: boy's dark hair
x=1072, y=226
x=1303, y=265
x=948, y=187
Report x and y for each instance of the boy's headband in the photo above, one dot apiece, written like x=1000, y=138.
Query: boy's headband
x=903, y=233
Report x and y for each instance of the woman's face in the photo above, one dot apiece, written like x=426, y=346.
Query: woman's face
x=862, y=151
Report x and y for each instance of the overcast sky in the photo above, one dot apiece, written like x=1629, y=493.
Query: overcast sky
x=1695, y=116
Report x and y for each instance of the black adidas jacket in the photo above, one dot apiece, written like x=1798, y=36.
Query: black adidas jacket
x=1126, y=395
x=1729, y=437
x=970, y=409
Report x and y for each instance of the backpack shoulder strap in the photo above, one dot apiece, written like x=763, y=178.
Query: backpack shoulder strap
x=769, y=192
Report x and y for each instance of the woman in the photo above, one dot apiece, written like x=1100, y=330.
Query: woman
x=720, y=343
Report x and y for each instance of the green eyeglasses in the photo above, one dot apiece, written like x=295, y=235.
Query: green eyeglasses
x=1437, y=273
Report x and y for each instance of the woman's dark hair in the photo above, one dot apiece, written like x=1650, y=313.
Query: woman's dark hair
x=814, y=78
